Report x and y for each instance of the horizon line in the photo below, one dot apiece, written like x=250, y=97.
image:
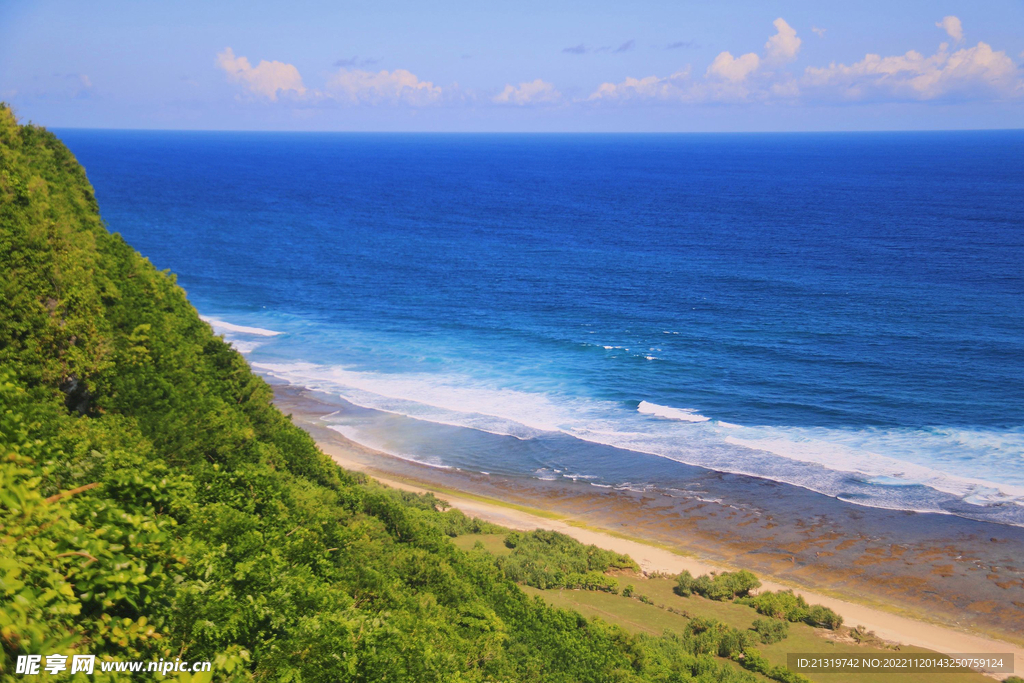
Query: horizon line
x=532, y=132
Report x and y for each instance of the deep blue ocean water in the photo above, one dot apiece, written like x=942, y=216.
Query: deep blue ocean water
x=843, y=312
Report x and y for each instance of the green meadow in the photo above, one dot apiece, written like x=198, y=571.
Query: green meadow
x=668, y=611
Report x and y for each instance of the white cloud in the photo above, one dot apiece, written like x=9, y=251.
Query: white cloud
x=819, y=31
x=734, y=69
x=953, y=27
x=727, y=78
x=783, y=46
x=978, y=71
x=674, y=87
x=786, y=88
x=383, y=87
x=535, y=92
x=265, y=79
x=680, y=87
x=352, y=86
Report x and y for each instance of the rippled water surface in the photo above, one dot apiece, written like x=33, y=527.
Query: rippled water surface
x=839, y=312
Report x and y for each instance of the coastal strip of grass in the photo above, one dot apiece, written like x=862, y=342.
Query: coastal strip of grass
x=651, y=605
x=654, y=619
x=858, y=599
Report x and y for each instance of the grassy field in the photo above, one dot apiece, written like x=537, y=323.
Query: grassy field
x=636, y=616
x=493, y=543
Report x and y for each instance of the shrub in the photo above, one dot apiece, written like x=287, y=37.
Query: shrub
x=548, y=559
x=791, y=607
x=779, y=605
x=819, y=615
x=684, y=584
x=721, y=587
x=770, y=630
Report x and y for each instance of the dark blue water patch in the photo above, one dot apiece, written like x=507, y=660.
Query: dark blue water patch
x=855, y=295
x=830, y=280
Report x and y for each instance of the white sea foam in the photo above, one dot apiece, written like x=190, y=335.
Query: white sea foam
x=835, y=450
x=456, y=401
x=222, y=326
x=892, y=468
x=684, y=414
x=784, y=455
x=575, y=477
x=243, y=346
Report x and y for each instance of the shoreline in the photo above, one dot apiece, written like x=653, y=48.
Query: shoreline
x=651, y=558
x=506, y=504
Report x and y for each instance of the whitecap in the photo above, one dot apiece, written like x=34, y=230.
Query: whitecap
x=682, y=414
x=221, y=326
x=898, y=468
x=244, y=346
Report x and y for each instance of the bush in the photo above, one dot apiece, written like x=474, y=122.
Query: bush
x=779, y=605
x=770, y=630
x=548, y=559
x=819, y=615
x=721, y=587
x=710, y=636
x=673, y=656
x=684, y=584
x=791, y=607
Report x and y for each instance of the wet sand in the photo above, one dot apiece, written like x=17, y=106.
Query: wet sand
x=881, y=568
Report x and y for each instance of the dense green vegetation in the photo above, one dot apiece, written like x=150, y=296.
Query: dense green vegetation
x=548, y=559
x=153, y=503
x=786, y=605
x=738, y=585
x=666, y=610
x=723, y=586
x=770, y=630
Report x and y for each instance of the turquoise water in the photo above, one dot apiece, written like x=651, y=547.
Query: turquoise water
x=843, y=312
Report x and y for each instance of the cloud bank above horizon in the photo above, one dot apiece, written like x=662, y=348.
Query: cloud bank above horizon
x=538, y=66
x=978, y=72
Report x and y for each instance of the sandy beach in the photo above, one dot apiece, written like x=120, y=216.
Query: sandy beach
x=518, y=508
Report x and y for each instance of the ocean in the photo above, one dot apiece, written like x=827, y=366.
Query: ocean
x=839, y=312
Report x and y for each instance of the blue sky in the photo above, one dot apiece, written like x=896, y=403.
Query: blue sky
x=516, y=66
